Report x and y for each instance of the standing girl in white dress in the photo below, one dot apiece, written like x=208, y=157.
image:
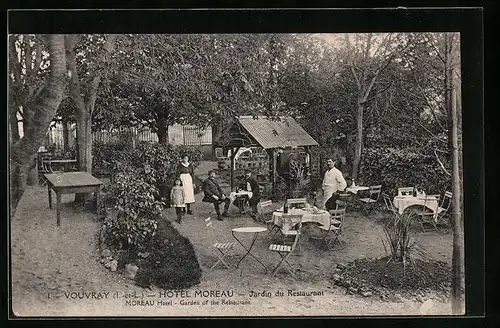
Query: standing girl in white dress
x=186, y=173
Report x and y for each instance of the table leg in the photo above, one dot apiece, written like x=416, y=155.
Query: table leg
x=97, y=199
x=248, y=250
x=50, y=195
x=58, y=206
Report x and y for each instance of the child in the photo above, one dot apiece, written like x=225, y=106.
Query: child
x=177, y=199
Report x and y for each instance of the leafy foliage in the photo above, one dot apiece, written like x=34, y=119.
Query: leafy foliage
x=395, y=167
x=131, y=222
x=397, y=232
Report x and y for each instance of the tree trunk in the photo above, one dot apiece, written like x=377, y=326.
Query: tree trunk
x=359, y=141
x=162, y=131
x=457, y=256
x=65, y=135
x=84, y=146
x=45, y=107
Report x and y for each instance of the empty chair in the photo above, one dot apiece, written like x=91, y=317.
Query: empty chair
x=333, y=231
x=405, y=191
x=222, y=248
x=429, y=216
x=265, y=215
x=290, y=226
x=296, y=202
x=368, y=202
x=284, y=252
x=339, y=204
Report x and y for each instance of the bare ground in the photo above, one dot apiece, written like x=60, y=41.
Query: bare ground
x=48, y=262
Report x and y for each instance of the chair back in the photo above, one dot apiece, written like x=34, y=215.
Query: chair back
x=208, y=223
x=375, y=192
x=335, y=216
x=388, y=203
x=446, y=201
x=405, y=191
x=340, y=205
x=296, y=202
x=291, y=222
x=265, y=206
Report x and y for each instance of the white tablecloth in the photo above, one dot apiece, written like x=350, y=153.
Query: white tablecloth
x=322, y=218
x=403, y=202
x=233, y=195
x=355, y=189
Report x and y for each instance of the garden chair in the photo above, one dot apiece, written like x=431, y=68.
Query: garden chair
x=45, y=168
x=427, y=215
x=222, y=248
x=296, y=202
x=284, y=251
x=389, y=207
x=405, y=191
x=339, y=204
x=207, y=208
x=334, y=230
x=266, y=215
x=368, y=202
x=290, y=226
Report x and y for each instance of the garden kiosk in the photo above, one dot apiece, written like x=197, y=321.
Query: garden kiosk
x=270, y=134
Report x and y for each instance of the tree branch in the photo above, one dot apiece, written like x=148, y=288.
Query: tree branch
x=441, y=163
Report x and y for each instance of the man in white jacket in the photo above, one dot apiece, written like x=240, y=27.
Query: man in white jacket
x=333, y=181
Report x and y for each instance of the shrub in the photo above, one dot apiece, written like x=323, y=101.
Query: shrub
x=131, y=222
x=172, y=262
x=109, y=158
x=163, y=161
x=397, y=233
x=394, y=168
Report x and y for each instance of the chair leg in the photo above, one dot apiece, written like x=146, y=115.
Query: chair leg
x=221, y=259
x=284, y=258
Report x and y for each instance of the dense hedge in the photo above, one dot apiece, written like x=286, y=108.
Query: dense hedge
x=172, y=261
x=394, y=168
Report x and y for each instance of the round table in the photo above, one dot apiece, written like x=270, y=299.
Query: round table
x=255, y=231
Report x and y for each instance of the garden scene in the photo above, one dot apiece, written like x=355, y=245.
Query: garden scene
x=266, y=174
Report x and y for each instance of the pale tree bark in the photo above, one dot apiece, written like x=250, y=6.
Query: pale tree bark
x=365, y=80
x=84, y=105
x=456, y=213
x=44, y=107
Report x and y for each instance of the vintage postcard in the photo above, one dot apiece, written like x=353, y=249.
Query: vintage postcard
x=236, y=174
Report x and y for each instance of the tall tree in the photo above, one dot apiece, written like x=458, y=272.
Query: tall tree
x=43, y=107
x=86, y=72
x=367, y=57
x=457, y=256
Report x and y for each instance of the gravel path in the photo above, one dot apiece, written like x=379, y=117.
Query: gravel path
x=50, y=265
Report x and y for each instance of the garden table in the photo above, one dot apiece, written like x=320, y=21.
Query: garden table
x=321, y=217
x=242, y=196
x=403, y=202
x=255, y=231
x=72, y=183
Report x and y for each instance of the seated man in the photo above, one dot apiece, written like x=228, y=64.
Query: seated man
x=253, y=186
x=213, y=194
